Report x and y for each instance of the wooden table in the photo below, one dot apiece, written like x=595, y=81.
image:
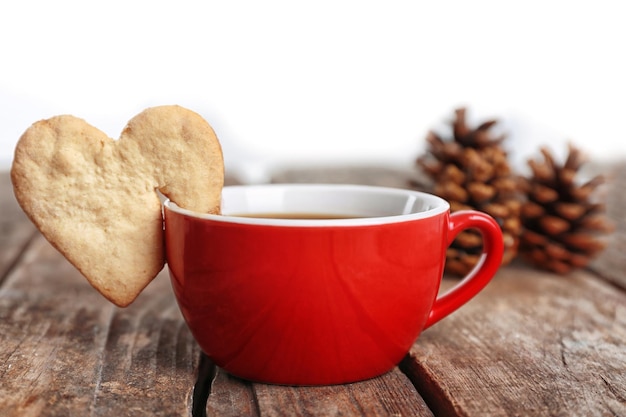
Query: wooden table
x=531, y=344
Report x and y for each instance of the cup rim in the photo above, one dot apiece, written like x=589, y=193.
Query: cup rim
x=437, y=206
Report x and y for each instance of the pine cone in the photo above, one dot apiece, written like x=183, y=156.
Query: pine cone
x=562, y=226
x=471, y=171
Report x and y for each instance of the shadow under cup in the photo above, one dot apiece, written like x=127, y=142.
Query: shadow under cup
x=318, y=301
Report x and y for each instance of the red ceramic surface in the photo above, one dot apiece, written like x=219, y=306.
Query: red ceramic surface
x=317, y=304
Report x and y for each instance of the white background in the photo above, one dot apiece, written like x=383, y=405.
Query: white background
x=292, y=83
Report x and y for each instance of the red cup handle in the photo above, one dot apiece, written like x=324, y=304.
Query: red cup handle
x=481, y=274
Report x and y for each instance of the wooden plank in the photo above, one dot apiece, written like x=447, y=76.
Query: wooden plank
x=15, y=228
x=531, y=343
x=389, y=395
x=611, y=263
x=65, y=350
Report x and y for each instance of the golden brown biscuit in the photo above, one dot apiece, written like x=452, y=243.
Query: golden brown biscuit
x=95, y=199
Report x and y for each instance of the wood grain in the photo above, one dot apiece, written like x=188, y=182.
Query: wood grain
x=231, y=396
x=611, y=263
x=64, y=350
x=530, y=344
x=15, y=228
x=389, y=395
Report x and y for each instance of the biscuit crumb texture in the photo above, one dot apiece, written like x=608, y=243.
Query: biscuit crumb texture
x=95, y=199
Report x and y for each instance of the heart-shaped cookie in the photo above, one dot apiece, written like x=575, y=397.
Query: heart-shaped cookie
x=95, y=199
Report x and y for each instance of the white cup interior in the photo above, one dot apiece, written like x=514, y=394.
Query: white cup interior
x=362, y=204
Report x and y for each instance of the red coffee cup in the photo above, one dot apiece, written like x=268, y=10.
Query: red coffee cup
x=318, y=301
